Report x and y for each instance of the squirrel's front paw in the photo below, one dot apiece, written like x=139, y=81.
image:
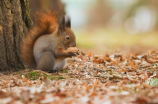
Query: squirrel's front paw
x=71, y=54
x=73, y=51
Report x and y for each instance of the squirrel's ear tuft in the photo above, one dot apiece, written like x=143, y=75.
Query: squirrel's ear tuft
x=62, y=24
x=67, y=22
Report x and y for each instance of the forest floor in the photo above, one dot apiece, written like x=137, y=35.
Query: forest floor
x=87, y=79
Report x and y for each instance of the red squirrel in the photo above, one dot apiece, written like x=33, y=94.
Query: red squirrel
x=48, y=43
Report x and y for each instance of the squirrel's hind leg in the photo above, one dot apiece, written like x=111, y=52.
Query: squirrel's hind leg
x=59, y=64
x=46, y=62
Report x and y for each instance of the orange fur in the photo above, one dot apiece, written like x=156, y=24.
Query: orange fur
x=46, y=24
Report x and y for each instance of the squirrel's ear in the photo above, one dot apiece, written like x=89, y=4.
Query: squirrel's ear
x=67, y=22
x=62, y=24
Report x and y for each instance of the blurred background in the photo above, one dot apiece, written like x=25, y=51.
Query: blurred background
x=108, y=26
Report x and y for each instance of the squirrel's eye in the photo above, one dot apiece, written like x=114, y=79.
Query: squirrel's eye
x=67, y=37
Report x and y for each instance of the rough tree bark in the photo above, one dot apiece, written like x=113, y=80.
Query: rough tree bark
x=14, y=23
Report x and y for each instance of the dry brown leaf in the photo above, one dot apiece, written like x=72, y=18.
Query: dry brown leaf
x=99, y=60
x=113, y=62
x=93, y=94
x=5, y=82
x=90, y=54
x=149, y=60
x=146, y=75
x=96, y=73
x=146, y=85
x=88, y=87
x=24, y=79
x=122, y=69
x=107, y=83
x=107, y=58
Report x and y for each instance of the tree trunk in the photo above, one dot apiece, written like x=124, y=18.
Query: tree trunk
x=14, y=23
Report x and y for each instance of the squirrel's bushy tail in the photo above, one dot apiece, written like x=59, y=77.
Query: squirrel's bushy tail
x=46, y=23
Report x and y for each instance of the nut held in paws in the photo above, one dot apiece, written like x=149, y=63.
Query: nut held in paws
x=73, y=49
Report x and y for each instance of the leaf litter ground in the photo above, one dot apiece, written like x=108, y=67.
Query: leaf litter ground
x=87, y=79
